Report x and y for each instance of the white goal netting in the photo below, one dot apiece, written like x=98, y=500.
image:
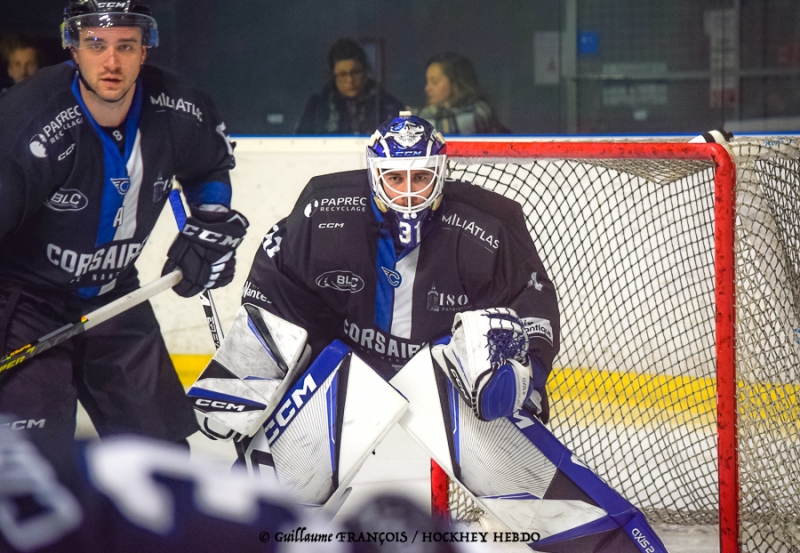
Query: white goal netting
x=630, y=246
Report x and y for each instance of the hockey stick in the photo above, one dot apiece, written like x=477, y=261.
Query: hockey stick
x=210, y=309
x=91, y=320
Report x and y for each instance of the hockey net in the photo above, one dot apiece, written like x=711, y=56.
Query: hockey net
x=677, y=276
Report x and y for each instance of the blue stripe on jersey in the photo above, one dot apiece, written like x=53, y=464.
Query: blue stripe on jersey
x=384, y=291
x=116, y=179
x=89, y=291
x=213, y=192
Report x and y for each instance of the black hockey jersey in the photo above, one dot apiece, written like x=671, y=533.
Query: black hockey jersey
x=76, y=207
x=331, y=268
x=128, y=494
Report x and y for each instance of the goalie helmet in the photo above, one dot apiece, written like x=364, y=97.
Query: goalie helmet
x=406, y=161
x=123, y=13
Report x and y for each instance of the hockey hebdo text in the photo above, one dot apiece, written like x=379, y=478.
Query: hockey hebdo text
x=301, y=534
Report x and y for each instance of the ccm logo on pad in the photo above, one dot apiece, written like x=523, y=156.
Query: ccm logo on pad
x=295, y=399
x=215, y=405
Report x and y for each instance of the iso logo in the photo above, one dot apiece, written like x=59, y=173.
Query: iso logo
x=311, y=208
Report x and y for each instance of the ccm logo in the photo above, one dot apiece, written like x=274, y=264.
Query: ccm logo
x=209, y=236
x=331, y=225
x=25, y=424
x=288, y=410
x=67, y=152
x=222, y=405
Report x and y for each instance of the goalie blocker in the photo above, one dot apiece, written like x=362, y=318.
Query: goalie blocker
x=232, y=394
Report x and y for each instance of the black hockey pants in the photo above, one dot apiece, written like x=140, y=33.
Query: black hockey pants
x=119, y=370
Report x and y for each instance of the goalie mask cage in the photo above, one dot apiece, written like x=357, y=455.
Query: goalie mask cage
x=676, y=267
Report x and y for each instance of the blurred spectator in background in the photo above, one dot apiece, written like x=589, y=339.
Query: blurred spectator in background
x=351, y=102
x=21, y=56
x=456, y=104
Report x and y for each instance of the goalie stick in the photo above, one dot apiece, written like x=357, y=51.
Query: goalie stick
x=91, y=320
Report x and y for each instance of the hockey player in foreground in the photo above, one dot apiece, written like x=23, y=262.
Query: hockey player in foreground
x=129, y=494
x=88, y=150
x=437, y=287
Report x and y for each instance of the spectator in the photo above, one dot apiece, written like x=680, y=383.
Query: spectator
x=351, y=102
x=22, y=57
x=456, y=104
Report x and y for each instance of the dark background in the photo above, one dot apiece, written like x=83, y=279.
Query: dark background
x=262, y=59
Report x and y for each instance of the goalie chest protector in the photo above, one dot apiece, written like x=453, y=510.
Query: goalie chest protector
x=323, y=268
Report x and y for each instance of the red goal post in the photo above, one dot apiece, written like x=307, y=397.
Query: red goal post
x=619, y=158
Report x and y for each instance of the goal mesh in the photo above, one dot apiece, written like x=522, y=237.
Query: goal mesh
x=630, y=246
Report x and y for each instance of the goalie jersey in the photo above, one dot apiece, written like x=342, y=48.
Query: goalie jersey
x=78, y=201
x=331, y=267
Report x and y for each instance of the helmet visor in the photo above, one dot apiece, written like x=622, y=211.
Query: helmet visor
x=71, y=28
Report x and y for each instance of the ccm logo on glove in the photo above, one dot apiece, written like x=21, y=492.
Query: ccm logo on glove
x=205, y=252
x=223, y=240
x=212, y=237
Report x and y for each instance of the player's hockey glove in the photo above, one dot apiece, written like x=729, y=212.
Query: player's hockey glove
x=205, y=251
x=487, y=360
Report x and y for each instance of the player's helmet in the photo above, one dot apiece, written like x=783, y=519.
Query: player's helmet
x=122, y=13
x=406, y=159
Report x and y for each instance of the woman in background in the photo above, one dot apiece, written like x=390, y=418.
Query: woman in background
x=456, y=104
x=351, y=102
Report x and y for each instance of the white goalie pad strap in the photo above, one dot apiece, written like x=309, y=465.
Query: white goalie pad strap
x=232, y=395
x=487, y=360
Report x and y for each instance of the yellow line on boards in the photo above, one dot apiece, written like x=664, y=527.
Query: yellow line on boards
x=601, y=396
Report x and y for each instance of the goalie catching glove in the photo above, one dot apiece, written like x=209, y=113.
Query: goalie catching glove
x=487, y=360
x=205, y=251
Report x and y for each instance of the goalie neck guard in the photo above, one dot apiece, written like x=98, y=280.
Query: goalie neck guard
x=406, y=162
x=81, y=14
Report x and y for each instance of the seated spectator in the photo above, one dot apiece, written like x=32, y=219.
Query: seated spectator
x=351, y=102
x=21, y=56
x=456, y=104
